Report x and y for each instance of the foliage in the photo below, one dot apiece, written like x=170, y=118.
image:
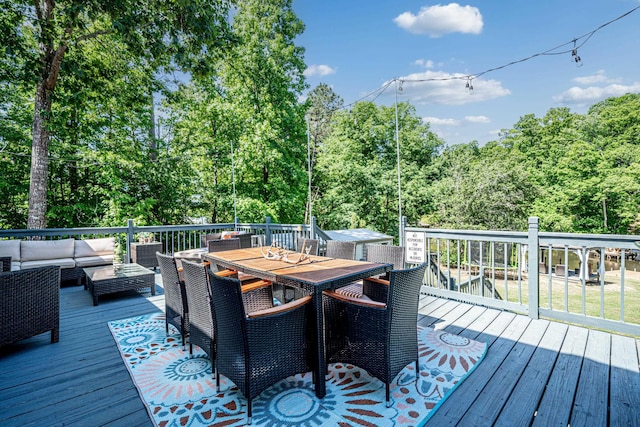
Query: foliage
x=157, y=116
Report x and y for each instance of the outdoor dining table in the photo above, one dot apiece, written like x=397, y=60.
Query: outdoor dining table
x=315, y=275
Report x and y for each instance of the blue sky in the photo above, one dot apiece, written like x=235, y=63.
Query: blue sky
x=358, y=46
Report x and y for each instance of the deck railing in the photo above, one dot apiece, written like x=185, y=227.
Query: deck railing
x=174, y=238
x=588, y=279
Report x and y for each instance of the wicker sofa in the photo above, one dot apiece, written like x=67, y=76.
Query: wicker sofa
x=71, y=255
x=29, y=303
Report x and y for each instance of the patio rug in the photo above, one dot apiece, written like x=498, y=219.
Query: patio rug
x=180, y=391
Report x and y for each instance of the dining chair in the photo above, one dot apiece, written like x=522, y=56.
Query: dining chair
x=378, y=336
x=219, y=245
x=386, y=254
x=257, y=349
x=176, y=305
x=343, y=250
x=201, y=324
x=306, y=243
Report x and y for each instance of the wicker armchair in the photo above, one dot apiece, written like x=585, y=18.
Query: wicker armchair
x=201, y=325
x=386, y=254
x=313, y=243
x=223, y=244
x=176, y=305
x=379, y=336
x=258, y=349
x=199, y=297
x=343, y=250
x=29, y=304
x=5, y=263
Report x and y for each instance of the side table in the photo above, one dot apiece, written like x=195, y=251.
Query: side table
x=145, y=254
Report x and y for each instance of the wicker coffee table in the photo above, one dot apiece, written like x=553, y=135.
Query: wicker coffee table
x=107, y=279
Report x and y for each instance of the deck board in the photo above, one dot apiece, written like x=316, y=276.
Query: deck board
x=556, y=371
x=488, y=404
x=523, y=401
x=592, y=395
x=562, y=384
x=625, y=382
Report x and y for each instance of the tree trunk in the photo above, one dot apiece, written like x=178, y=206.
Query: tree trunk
x=39, y=160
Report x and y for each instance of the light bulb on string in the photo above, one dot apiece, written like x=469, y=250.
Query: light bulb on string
x=574, y=55
x=469, y=85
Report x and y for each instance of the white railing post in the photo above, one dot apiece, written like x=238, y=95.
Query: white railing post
x=533, y=267
x=130, y=234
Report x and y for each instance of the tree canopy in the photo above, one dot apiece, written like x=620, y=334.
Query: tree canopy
x=164, y=112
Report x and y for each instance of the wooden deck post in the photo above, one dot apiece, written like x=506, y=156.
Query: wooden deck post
x=533, y=268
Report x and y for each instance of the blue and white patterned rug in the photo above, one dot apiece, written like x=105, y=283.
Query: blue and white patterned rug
x=180, y=391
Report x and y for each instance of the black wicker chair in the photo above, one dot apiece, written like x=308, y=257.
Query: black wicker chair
x=199, y=298
x=176, y=305
x=201, y=324
x=307, y=243
x=29, y=304
x=223, y=244
x=379, y=336
x=258, y=349
x=387, y=254
x=338, y=249
x=5, y=263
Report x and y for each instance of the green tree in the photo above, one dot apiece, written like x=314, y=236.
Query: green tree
x=36, y=37
x=261, y=80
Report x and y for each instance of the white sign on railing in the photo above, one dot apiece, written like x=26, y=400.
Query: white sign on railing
x=415, y=248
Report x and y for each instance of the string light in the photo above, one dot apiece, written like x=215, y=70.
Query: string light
x=469, y=77
x=574, y=55
x=469, y=85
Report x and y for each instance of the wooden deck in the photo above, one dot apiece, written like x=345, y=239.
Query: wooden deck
x=536, y=372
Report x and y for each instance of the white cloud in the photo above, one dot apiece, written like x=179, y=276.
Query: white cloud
x=436, y=121
x=449, y=89
x=591, y=94
x=319, y=70
x=477, y=119
x=598, y=77
x=426, y=63
x=442, y=19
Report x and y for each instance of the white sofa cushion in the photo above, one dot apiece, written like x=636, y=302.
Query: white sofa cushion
x=90, y=261
x=62, y=262
x=94, y=247
x=11, y=248
x=39, y=250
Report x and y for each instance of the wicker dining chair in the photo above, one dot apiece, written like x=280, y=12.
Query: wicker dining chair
x=306, y=243
x=218, y=245
x=338, y=249
x=201, y=323
x=5, y=263
x=386, y=254
x=176, y=305
x=378, y=336
x=29, y=304
x=199, y=297
x=256, y=350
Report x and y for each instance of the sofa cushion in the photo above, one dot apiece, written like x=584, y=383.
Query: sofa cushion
x=94, y=247
x=38, y=250
x=62, y=262
x=90, y=261
x=11, y=248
